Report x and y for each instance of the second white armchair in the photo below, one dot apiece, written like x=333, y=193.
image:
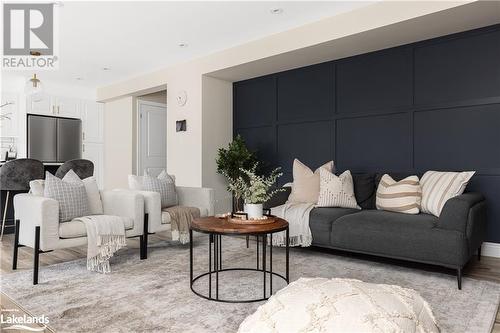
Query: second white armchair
x=158, y=220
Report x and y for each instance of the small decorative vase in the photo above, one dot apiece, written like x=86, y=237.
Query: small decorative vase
x=254, y=211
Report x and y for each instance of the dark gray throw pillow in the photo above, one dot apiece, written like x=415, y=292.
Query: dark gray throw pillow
x=72, y=197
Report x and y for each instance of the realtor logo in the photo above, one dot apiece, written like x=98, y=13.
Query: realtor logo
x=29, y=36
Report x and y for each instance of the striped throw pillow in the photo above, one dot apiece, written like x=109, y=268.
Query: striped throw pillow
x=402, y=197
x=438, y=187
x=336, y=191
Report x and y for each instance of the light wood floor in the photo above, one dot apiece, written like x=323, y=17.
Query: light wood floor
x=486, y=269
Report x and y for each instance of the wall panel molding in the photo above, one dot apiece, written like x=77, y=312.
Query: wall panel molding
x=433, y=104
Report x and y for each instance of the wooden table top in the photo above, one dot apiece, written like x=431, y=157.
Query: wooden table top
x=216, y=225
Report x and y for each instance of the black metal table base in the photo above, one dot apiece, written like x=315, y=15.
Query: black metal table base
x=215, y=267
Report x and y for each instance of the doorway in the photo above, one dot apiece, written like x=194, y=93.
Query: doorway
x=152, y=137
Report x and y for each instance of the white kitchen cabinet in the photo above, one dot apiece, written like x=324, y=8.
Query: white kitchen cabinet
x=67, y=107
x=55, y=106
x=93, y=121
x=95, y=153
x=9, y=124
x=42, y=106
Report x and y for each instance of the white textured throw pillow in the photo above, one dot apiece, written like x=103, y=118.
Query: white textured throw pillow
x=438, y=187
x=305, y=187
x=402, y=197
x=92, y=190
x=336, y=191
x=72, y=197
x=341, y=305
x=37, y=187
x=164, y=185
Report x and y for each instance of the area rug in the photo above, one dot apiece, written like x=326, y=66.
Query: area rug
x=154, y=294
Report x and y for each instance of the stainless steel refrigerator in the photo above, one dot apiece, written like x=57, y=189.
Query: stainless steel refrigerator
x=54, y=139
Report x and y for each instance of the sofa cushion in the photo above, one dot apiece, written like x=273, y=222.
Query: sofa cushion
x=336, y=191
x=396, y=235
x=166, y=219
x=76, y=228
x=402, y=196
x=364, y=189
x=305, y=187
x=321, y=219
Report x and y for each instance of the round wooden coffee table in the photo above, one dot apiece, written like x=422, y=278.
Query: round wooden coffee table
x=216, y=228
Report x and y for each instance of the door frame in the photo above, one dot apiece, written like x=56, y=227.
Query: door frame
x=138, y=130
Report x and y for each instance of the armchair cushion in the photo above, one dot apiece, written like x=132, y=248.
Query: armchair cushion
x=72, y=197
x=76, y=228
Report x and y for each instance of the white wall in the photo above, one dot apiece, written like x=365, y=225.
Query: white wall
x=190, y=154
x=217, y=118
x=118, y=135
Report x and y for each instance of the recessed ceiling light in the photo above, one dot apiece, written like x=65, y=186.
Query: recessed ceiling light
x=276, y=11
x=106, y=69
x=183, y=45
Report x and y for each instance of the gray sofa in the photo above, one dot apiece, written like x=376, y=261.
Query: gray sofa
x=449, y=241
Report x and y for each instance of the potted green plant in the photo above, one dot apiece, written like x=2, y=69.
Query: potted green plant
x=257, y=189
x=230, y=161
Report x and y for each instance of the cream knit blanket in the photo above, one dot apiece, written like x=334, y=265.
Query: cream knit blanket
x=297, y=216
x=105, y=236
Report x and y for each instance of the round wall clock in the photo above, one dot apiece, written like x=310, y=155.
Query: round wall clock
x=181, y=98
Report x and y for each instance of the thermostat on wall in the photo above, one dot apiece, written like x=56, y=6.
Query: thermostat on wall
x=180, y=125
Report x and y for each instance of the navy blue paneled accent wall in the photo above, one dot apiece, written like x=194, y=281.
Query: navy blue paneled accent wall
x=429, y=105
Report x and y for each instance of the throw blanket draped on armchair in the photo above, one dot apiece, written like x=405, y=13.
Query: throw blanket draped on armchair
x=180, y=220
x=105, y=236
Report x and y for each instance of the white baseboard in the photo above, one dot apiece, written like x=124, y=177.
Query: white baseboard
x=491, y=250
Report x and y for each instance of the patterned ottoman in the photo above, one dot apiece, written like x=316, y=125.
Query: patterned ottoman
x=341, y=305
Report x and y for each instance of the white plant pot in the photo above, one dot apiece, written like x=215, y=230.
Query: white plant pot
x=254, y=211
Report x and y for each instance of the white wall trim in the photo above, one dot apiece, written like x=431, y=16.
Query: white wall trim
x=491, y=250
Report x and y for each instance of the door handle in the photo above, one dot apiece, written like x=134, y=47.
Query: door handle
x=58, y=110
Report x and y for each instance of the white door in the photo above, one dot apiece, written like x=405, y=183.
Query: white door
x=95, y=152
x=93, y=121
x=68, y=107
x=152, y=137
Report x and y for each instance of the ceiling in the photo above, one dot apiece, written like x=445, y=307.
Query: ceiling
x=133, y=38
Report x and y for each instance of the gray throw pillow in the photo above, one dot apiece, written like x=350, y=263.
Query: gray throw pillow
x=165, y=185
x=72, y=197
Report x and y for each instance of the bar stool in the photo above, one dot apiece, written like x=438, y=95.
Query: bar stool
x=16, y=175
x=83, y=168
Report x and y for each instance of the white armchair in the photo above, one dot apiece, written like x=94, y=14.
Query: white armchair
x=38, y=226
x=156, y=220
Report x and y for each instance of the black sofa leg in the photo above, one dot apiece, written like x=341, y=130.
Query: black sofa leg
x=248, y=241
x=16, y=245
x=36, y=254
x=479, y=254
x=459, y=278
x=144, y=238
